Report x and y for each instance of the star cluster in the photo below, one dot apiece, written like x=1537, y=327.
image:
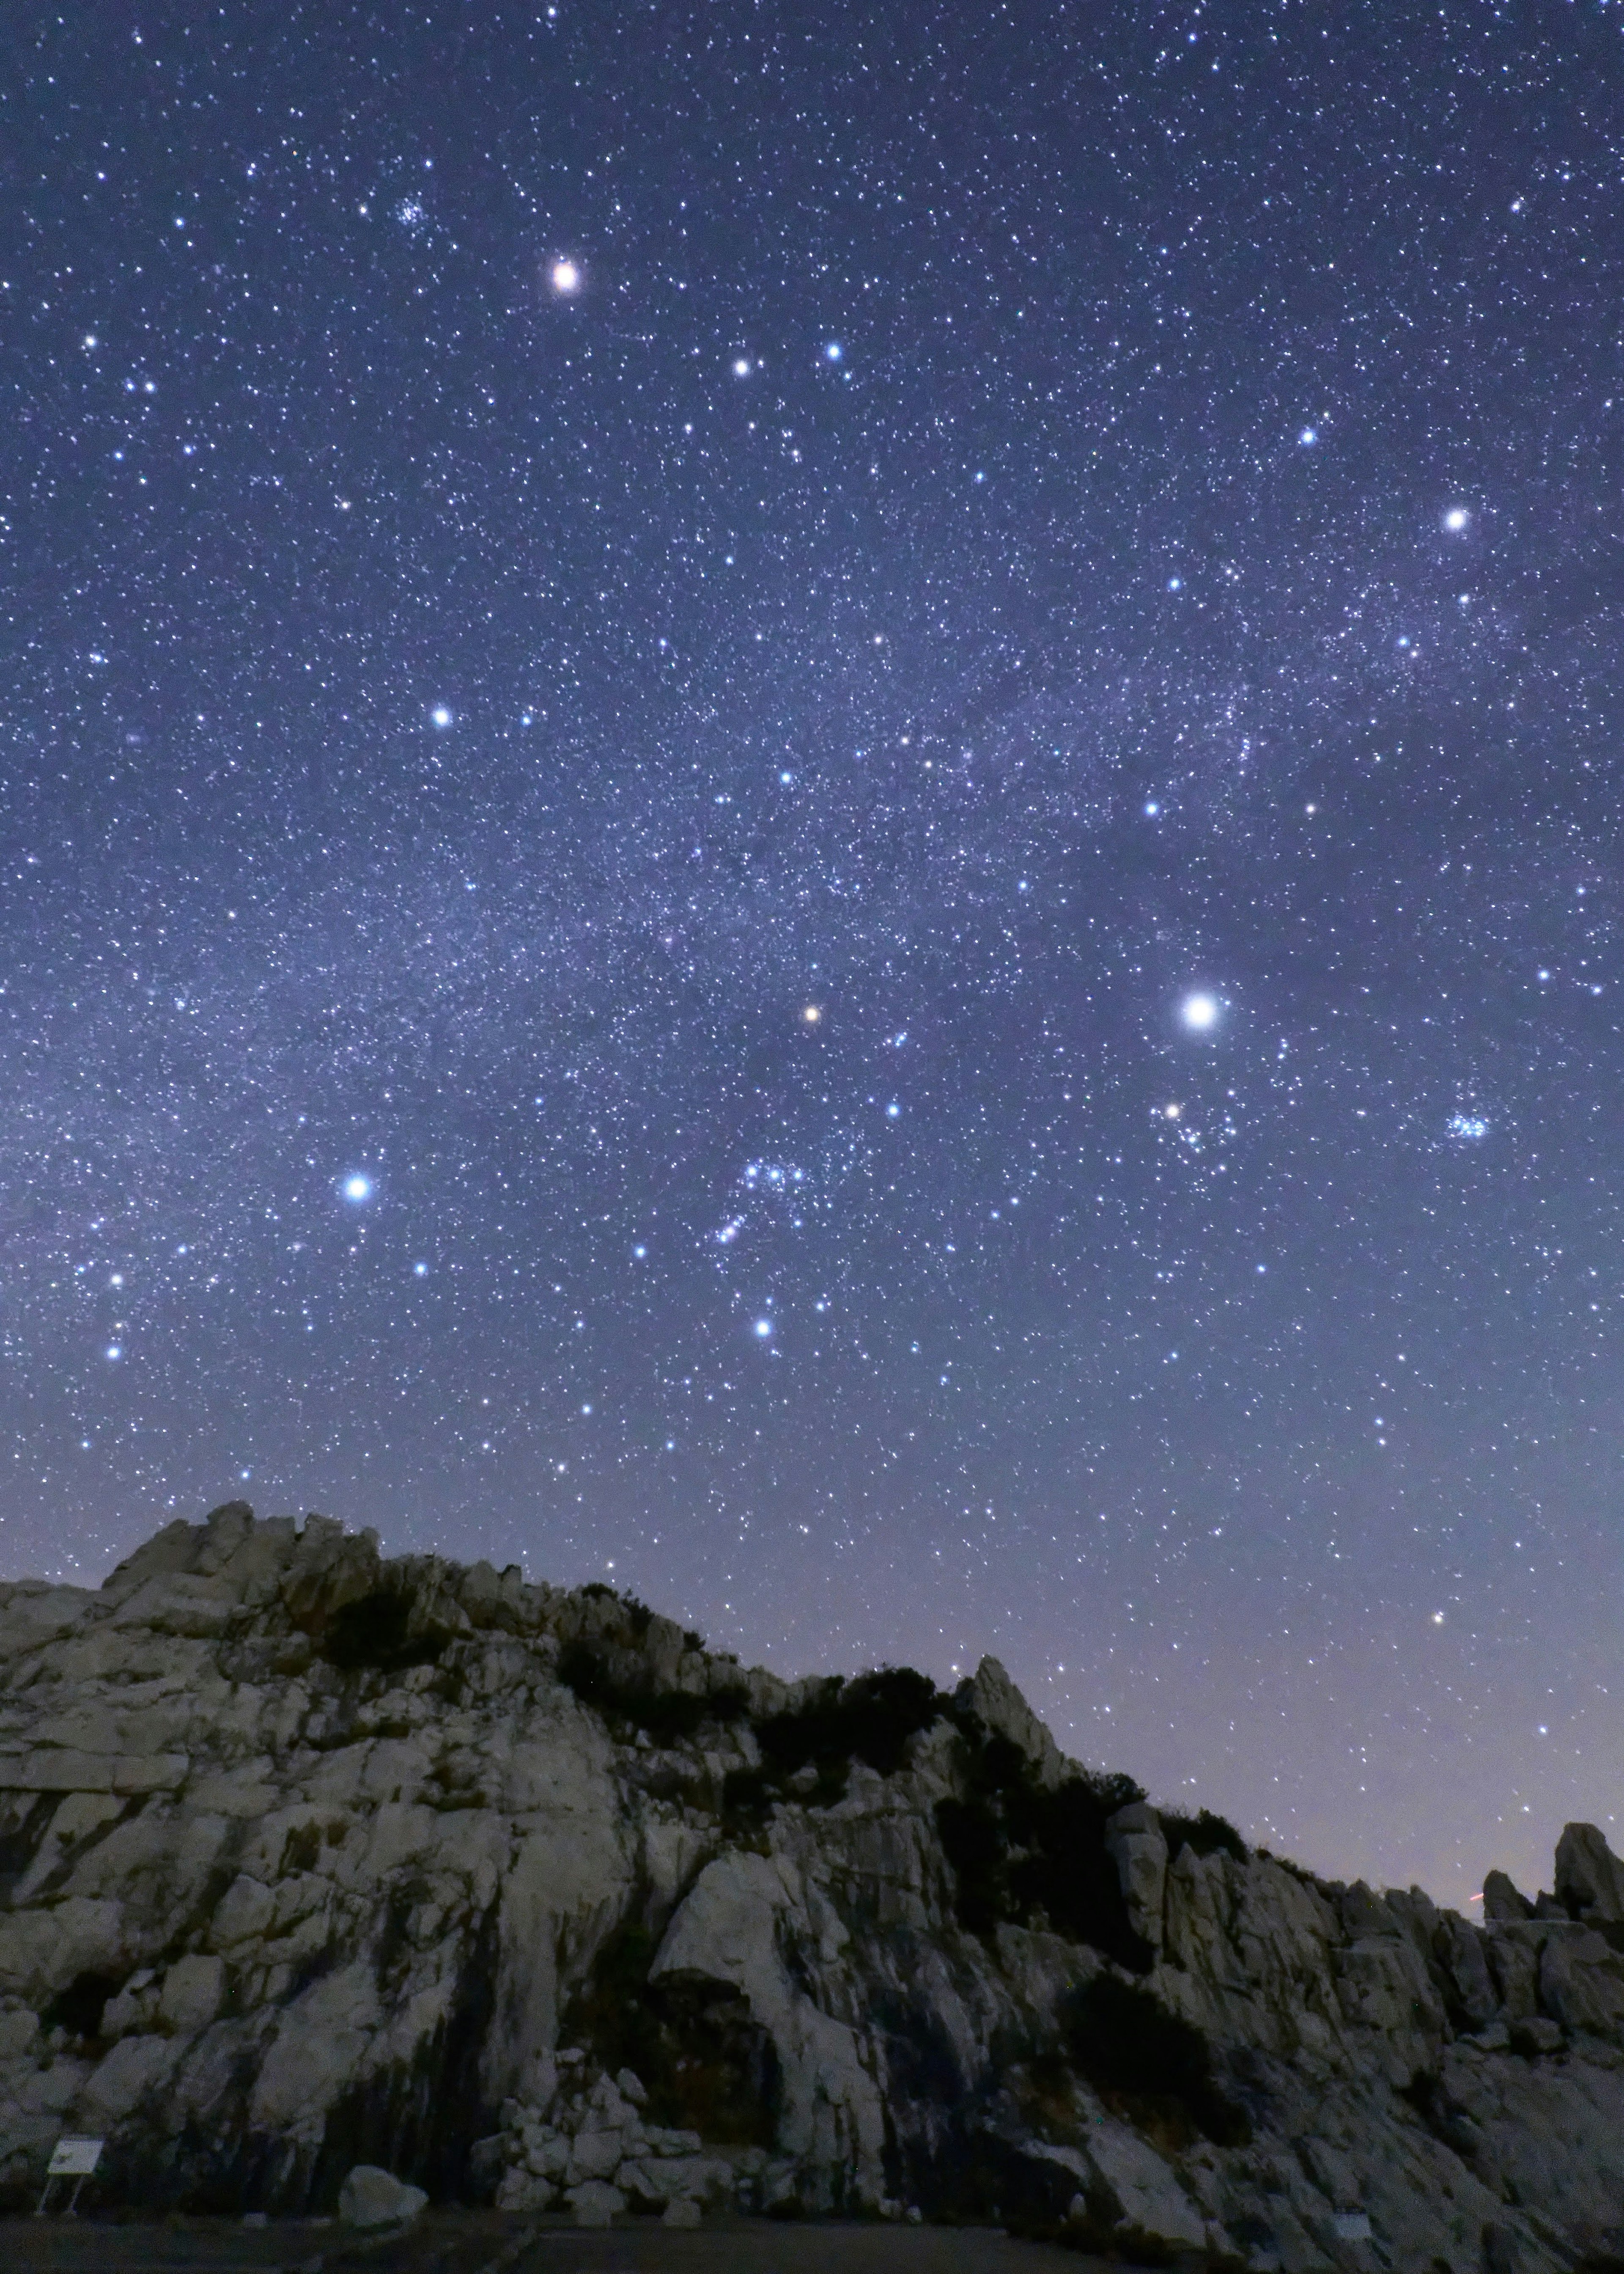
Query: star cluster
x=823, y=812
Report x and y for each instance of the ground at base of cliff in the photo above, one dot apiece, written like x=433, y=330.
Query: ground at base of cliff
x=476, y=2242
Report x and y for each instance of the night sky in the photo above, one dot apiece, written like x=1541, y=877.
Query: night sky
x=819, y=808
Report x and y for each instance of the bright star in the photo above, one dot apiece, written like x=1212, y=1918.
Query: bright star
x=565, y=277
x=357, y=1188
x=811, y=1014
x=1308, y=437
x=1199, y=1012
x=114, y=1350
x=763, y=1327
x=1456, y=518
x=741, y=366
x=440, y=716
x=833, y=353
x=420, y=1271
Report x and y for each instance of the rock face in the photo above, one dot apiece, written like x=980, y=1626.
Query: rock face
x=311, y=1860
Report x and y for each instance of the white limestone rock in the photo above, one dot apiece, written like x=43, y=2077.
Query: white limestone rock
x=991, y=1694
x=732, y=1929
x=1135, y=1844
x=371, y=2198
x=257, y=1896
x=595, y=2203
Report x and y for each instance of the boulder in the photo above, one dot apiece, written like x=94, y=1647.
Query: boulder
x=371, y=2198
x=594, y=2204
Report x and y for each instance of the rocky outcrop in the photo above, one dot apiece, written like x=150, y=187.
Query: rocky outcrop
x=312, y=1860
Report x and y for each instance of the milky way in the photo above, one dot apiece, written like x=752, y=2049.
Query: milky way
x=819, y=809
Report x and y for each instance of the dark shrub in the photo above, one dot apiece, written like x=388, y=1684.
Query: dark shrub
x=746, y=1796
x=374, y=1631
x=972, y=1839
x=77, y=2008
x=1207, y=1833
x=638, y=1615
x=1018, y=1850
x=666, y=1714
x=871, y=1719
x=1067, y=1871
x=1129, y=2046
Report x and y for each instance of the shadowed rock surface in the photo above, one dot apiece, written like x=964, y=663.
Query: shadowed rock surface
x=311, y=1859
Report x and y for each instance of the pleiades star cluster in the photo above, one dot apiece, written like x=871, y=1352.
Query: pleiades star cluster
x=818, y=807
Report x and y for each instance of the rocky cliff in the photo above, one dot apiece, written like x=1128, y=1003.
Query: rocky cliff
x=312, y=1858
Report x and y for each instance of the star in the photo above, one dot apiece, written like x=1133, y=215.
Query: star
x=1457, y=518
x=358, y=1187
x=1199, y=1012
x=565, y=278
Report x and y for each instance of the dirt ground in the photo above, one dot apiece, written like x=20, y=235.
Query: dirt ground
x=476, y=2242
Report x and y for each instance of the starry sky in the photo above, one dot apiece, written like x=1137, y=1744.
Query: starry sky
x=818, y=806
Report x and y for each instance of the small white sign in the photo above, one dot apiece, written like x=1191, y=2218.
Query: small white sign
x=74, y=2158
x=1352, y=2226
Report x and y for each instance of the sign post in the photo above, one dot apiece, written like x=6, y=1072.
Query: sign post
x=74, y=2157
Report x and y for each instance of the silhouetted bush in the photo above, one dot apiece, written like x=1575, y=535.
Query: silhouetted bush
x=374, y=1631
x=667, y=1715
x=870, y=1719
x=1207, y=1833
x=1019, y=1851
x=77, y=2008
x=1128, y=2044
x=637, y=1614
x=975, y=1843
